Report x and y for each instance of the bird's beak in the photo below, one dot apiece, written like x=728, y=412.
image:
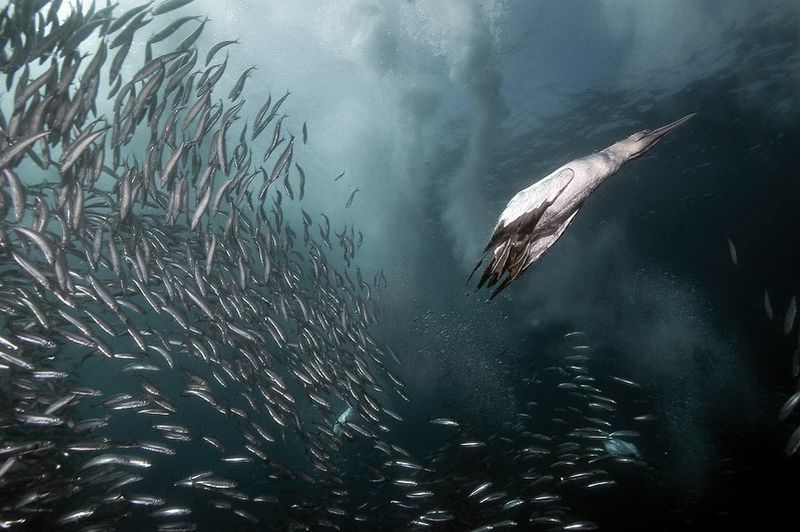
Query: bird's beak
x=656, y=134
x=650, y=138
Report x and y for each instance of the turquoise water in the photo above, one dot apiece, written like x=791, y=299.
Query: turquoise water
x=249, y=319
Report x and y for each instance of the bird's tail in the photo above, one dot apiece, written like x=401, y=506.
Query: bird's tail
x=514, y=263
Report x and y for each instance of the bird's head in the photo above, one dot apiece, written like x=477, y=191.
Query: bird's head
x=640, y=142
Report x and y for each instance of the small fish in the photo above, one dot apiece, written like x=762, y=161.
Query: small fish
x=789, y=406
x=601, y=484
x=216, y=48
x=190, y=39
x=768, y=306
x=302, y=178
x=789, y=318
x=239, y=85
x=168, y=5
x=18, y=147
x=732, y=252
x=350, y=200
x=626, y=382
x=171, y=511
x=511, y=504
x=170, y=29
x=580, y=525
x=793, y=443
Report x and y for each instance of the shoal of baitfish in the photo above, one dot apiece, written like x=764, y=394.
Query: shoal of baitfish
x=172, y=352
x=786, y=326
x=789, y=408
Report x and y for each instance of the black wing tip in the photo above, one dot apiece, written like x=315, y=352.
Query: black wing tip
x=475, y=269
x=502, y=271
x=503, y=285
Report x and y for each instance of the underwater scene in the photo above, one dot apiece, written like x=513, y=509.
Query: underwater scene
x=399, y=265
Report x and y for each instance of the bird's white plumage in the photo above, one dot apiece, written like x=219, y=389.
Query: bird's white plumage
x=544, y=190
x=538, y=215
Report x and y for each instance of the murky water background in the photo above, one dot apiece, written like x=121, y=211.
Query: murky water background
x=436, y=114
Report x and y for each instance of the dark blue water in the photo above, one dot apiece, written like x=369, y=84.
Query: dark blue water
x=439, y=115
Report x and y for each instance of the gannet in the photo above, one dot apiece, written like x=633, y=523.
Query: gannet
x=537, y=216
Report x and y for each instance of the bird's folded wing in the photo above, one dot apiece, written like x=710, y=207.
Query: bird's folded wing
x=532, y=206
x=520, y=239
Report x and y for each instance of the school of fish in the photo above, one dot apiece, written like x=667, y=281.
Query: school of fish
x=788, y=411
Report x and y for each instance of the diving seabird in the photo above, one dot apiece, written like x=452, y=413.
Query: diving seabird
x=537, y=216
